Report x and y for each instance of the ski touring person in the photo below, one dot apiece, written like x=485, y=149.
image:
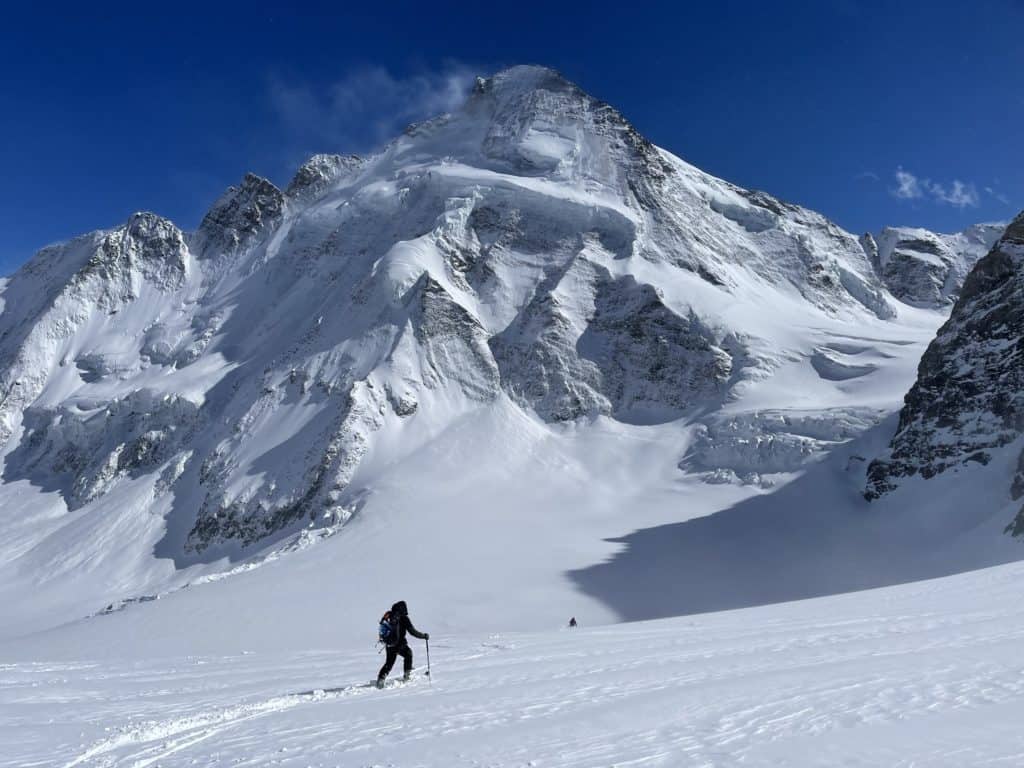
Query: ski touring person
x=393, y=627
x=572, y=623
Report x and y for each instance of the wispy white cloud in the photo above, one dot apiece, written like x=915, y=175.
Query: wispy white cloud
x=867, y=176
x=908, y=186
x=366, y=106
x=991, y=192
x=957, y=193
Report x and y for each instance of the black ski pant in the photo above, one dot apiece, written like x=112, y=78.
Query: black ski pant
x=394, y=651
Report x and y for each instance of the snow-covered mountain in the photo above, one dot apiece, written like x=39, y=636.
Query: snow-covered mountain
x=967, y=405
x=926, y=268
x=517, y=331
x=531, y=245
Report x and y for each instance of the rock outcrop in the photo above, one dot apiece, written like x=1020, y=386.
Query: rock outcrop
x=925, y=268
x=968, y=401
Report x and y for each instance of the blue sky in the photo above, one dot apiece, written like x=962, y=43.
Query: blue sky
x=873, y=113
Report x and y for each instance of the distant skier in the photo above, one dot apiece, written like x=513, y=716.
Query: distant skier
x=393, y=626
x=572, y=623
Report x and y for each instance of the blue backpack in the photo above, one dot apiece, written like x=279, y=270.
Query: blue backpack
x=387, y=632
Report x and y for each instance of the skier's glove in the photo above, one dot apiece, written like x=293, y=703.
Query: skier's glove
x=426, y=635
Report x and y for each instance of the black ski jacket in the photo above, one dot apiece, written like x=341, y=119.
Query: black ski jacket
x=404, y=625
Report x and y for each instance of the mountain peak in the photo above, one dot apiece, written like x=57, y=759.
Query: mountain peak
x=240, y=213
x=524, y=92
x=524, y=78
x=531, y=121
x=1001, y=264
x=319, y=172
x=1015, y=231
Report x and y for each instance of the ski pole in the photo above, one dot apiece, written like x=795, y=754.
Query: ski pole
x=429, y=678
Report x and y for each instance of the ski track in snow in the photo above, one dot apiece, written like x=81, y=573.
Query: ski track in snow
x=925, y=674
x=173, y=735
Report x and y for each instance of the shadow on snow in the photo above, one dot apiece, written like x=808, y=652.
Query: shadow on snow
x=815, y=536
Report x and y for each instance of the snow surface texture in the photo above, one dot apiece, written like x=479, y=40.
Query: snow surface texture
x=927, y=675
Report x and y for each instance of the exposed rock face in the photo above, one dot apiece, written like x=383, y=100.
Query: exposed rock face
x=969, y=397
x=254, y=514
x=453, y=343
x=870, y=246
x=84, y=453
x=531, y=245
x=925, y=268
x=595, y=345
x=239, y=216
x=317, y=174
x=148, y=246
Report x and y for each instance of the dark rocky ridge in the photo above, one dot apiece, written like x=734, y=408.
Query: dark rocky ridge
x=239, y=215
x=968, y=400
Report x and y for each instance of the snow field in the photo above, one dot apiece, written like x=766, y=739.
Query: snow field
x=926, y=674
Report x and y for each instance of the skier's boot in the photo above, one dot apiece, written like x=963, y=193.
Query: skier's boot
x=405, y=677
x=380, y=682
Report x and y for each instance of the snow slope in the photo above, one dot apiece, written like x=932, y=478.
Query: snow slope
x=927, y=674
x=594, y=521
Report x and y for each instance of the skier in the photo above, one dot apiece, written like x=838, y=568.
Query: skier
x=395, y=642
x=572, y=623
